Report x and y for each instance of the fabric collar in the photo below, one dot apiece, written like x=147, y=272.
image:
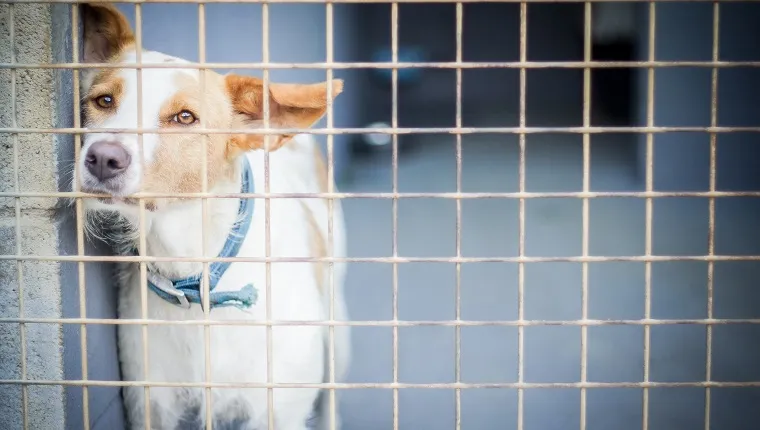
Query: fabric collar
x=184, y=292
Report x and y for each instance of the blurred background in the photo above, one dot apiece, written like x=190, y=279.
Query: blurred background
x=426, y=227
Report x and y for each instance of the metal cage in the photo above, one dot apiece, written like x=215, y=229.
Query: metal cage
x=14, y=131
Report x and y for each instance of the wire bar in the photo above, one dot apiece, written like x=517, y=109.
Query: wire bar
x=388, y=260
x=80, y=218
x=585, y=210
x=521, y=219
x=390, y=385
x=329, y=16
x=205, y=284
x=410, y=130
x=394, y=209
x=142, y=239
x=397, y=65
x=649, y=214
x=711, y=213
x=391, y=323
x=267, y=111
x=458, y=239
x=420, y=195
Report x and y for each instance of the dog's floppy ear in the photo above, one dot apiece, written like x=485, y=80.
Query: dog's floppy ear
x=106, y=32
x=290, y=106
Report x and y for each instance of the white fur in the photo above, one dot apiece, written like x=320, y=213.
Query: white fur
x=237, y=353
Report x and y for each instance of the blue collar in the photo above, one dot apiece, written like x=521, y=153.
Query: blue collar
x=186, y=291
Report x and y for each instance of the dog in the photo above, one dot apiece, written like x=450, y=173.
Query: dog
x=120, y=164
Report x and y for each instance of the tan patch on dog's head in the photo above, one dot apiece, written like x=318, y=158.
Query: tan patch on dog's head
x=106, y=35
x=173, y=163
x=106, y=83
x=177, y=165
x=228, y=102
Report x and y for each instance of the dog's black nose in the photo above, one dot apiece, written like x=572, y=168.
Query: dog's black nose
x=105, y=160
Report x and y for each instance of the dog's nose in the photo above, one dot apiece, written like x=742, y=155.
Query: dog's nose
x=105, y=160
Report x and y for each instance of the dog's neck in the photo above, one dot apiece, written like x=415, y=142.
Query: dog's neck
x=178, y=230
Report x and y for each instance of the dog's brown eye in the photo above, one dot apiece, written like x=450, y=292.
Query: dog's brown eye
x=105, y=101
x=185, y=118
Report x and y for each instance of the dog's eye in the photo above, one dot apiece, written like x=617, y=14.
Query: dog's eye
x=185, y=118
x=104, y=101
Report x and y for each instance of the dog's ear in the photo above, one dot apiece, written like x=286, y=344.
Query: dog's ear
x=106, y=32
x=290, y=106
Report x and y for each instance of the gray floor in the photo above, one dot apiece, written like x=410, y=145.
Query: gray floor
x=426, y=227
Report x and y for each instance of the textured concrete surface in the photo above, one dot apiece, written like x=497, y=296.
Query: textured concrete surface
x=39, y=281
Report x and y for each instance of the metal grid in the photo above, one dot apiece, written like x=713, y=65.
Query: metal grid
x=650, y=130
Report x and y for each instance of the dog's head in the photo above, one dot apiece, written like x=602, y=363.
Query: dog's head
x=120, y=164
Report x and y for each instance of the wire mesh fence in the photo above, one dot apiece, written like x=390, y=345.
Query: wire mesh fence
x=586, y=130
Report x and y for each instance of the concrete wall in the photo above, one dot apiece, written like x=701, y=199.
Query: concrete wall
x=44, y=98
x=40, y=281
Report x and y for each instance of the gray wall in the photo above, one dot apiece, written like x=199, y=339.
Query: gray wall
x=43, y=99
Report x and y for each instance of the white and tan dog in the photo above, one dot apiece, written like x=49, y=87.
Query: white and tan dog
x=119, y=164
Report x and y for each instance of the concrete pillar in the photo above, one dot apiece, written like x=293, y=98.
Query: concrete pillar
x=44, y=99
x=35, y=106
